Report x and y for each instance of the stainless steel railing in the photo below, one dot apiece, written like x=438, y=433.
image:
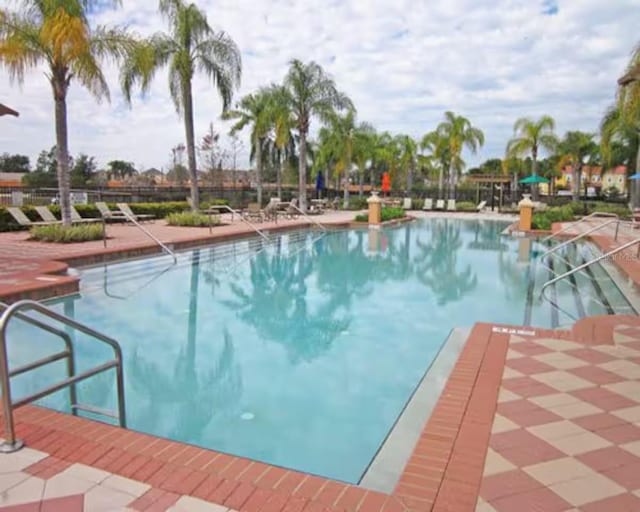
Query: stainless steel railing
x=583, y=219
x=131, y=219
x=11, y=443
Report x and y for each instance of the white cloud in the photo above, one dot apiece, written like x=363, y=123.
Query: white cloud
x=403, y=63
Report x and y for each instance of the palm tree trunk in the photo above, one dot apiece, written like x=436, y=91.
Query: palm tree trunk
x=259, y=170
x=191, y=147
x=441, y=183
x=279, y=172
x=575, y=178
x=534, y=172
x=302, y=172
x=345, y=199
x=409, y=180
x=361, y=183
x=62, y=150
x=452, y=183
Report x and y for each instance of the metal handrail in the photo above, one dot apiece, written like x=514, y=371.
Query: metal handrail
x=307, y=217
x=11, y=443
x=587, y=264
x=241, y=217
x=580, y=236
x=150, y=235
x=583, y=219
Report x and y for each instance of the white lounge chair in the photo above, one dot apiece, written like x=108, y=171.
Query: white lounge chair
x=46, y=215
x=428, y=204
x=77, y=218
x=451, y=205
x=19, y=216
x=481, y=206
x=440, y=204
x=128, y=212
x=406, y=203
x=108, y=214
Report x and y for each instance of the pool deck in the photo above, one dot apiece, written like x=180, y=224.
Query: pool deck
x=529, y=419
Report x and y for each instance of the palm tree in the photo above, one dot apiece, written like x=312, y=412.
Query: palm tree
x=459, y=133
x=57, y=33
x=311, y=92
x=530, y=137
x=283, y=123
x=254, y=110
x=408, y=158
x=190, y=45
x=437, y=148
x=364, y=138
x=576, y=148
x=632, y=74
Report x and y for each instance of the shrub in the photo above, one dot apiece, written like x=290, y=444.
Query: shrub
x=192, y=219
x=390, y=213
x=466, y=206
x=67, y=234
x=544, y=220
x=417, y=204
x=205, y=204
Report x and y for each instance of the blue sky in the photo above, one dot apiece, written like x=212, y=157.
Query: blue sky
x=404, y=63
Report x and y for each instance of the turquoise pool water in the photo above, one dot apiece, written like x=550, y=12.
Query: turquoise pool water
x=303, y=355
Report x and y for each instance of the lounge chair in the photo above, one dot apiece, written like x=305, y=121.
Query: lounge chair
x=108, y=214
x=451, y=205
x=47, y=215
x=253, y=212
x=126, y=210
x=481, y=206
x=270, y=211
x=19, y=216
x=440, y=204
x=428, y=204
x=406, y=203
x=290, y=209
x=76, y=218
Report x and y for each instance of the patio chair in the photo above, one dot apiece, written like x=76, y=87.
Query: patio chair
x=481, y=206
x=19, y=216
x=76, y=218
x=406, y=203
x=128, y=212
x=270, y=211
x=108, y=214
x=291, y=211
x=253, y=213
x=47, y=215
x=428, y=204
x=440, y=204
x=451, y=205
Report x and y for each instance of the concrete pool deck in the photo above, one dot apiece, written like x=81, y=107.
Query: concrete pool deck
x=529, y=419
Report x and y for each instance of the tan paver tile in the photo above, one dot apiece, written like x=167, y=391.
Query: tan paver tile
x=556, y=430
x=628, y=389
x=559, y=345
x=104, y=499
x=9, y=480
x=17, y=461
x=558, y=470
x=619, y=351
x=560, y=360
x=633, y=447
x=581, y=443
x=588, y=489
x=510, y=373
x=496, y=463
x=502, y=424
x=626, y=369
x=85, y=472
x=562, y=381
x=554, y=400
x=630, y=414
x=513, y=354
x=507, y=396
x=65, y=485
x=575, y=410
x=126, y=485
x=483, y=506
x=189, y=504
x=26, y=491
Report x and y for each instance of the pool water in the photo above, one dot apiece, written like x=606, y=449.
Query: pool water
x=300, y=353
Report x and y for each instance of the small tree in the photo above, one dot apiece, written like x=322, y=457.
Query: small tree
x=14, y=163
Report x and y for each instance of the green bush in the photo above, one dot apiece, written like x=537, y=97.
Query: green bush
x=363, y=217
x=213, y=202
x=466, y=206
x=192, y=219
x=357, y=203
x=417, y=204
x=387, y=213
x=67, y=234
x=544, y=220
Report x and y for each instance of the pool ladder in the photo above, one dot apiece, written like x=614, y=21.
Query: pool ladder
x=17, y=310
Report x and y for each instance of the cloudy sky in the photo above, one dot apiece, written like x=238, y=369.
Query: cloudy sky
x=403, y=63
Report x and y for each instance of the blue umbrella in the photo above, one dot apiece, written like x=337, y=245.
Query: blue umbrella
x=635, y=176
x=319, y=182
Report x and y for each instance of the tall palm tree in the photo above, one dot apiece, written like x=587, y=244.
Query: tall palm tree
x=254, y=110
x=632, y=74
x=311, y=92
x=530, y=137
x=283, y=124
x=459, y=133
x=576, y=148
x=437, y=156
x=364, y=140
x=190, y=45
x=57, y=33
x=408, y=158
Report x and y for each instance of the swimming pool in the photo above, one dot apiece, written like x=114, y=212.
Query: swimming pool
x=306, y=352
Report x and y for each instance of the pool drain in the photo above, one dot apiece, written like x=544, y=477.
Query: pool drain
x=247, y=416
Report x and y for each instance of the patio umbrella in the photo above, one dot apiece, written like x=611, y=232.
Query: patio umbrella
x=6, y=111
x=319, y=182
x=635, y=176
x=386, y=182
x=533, y=179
